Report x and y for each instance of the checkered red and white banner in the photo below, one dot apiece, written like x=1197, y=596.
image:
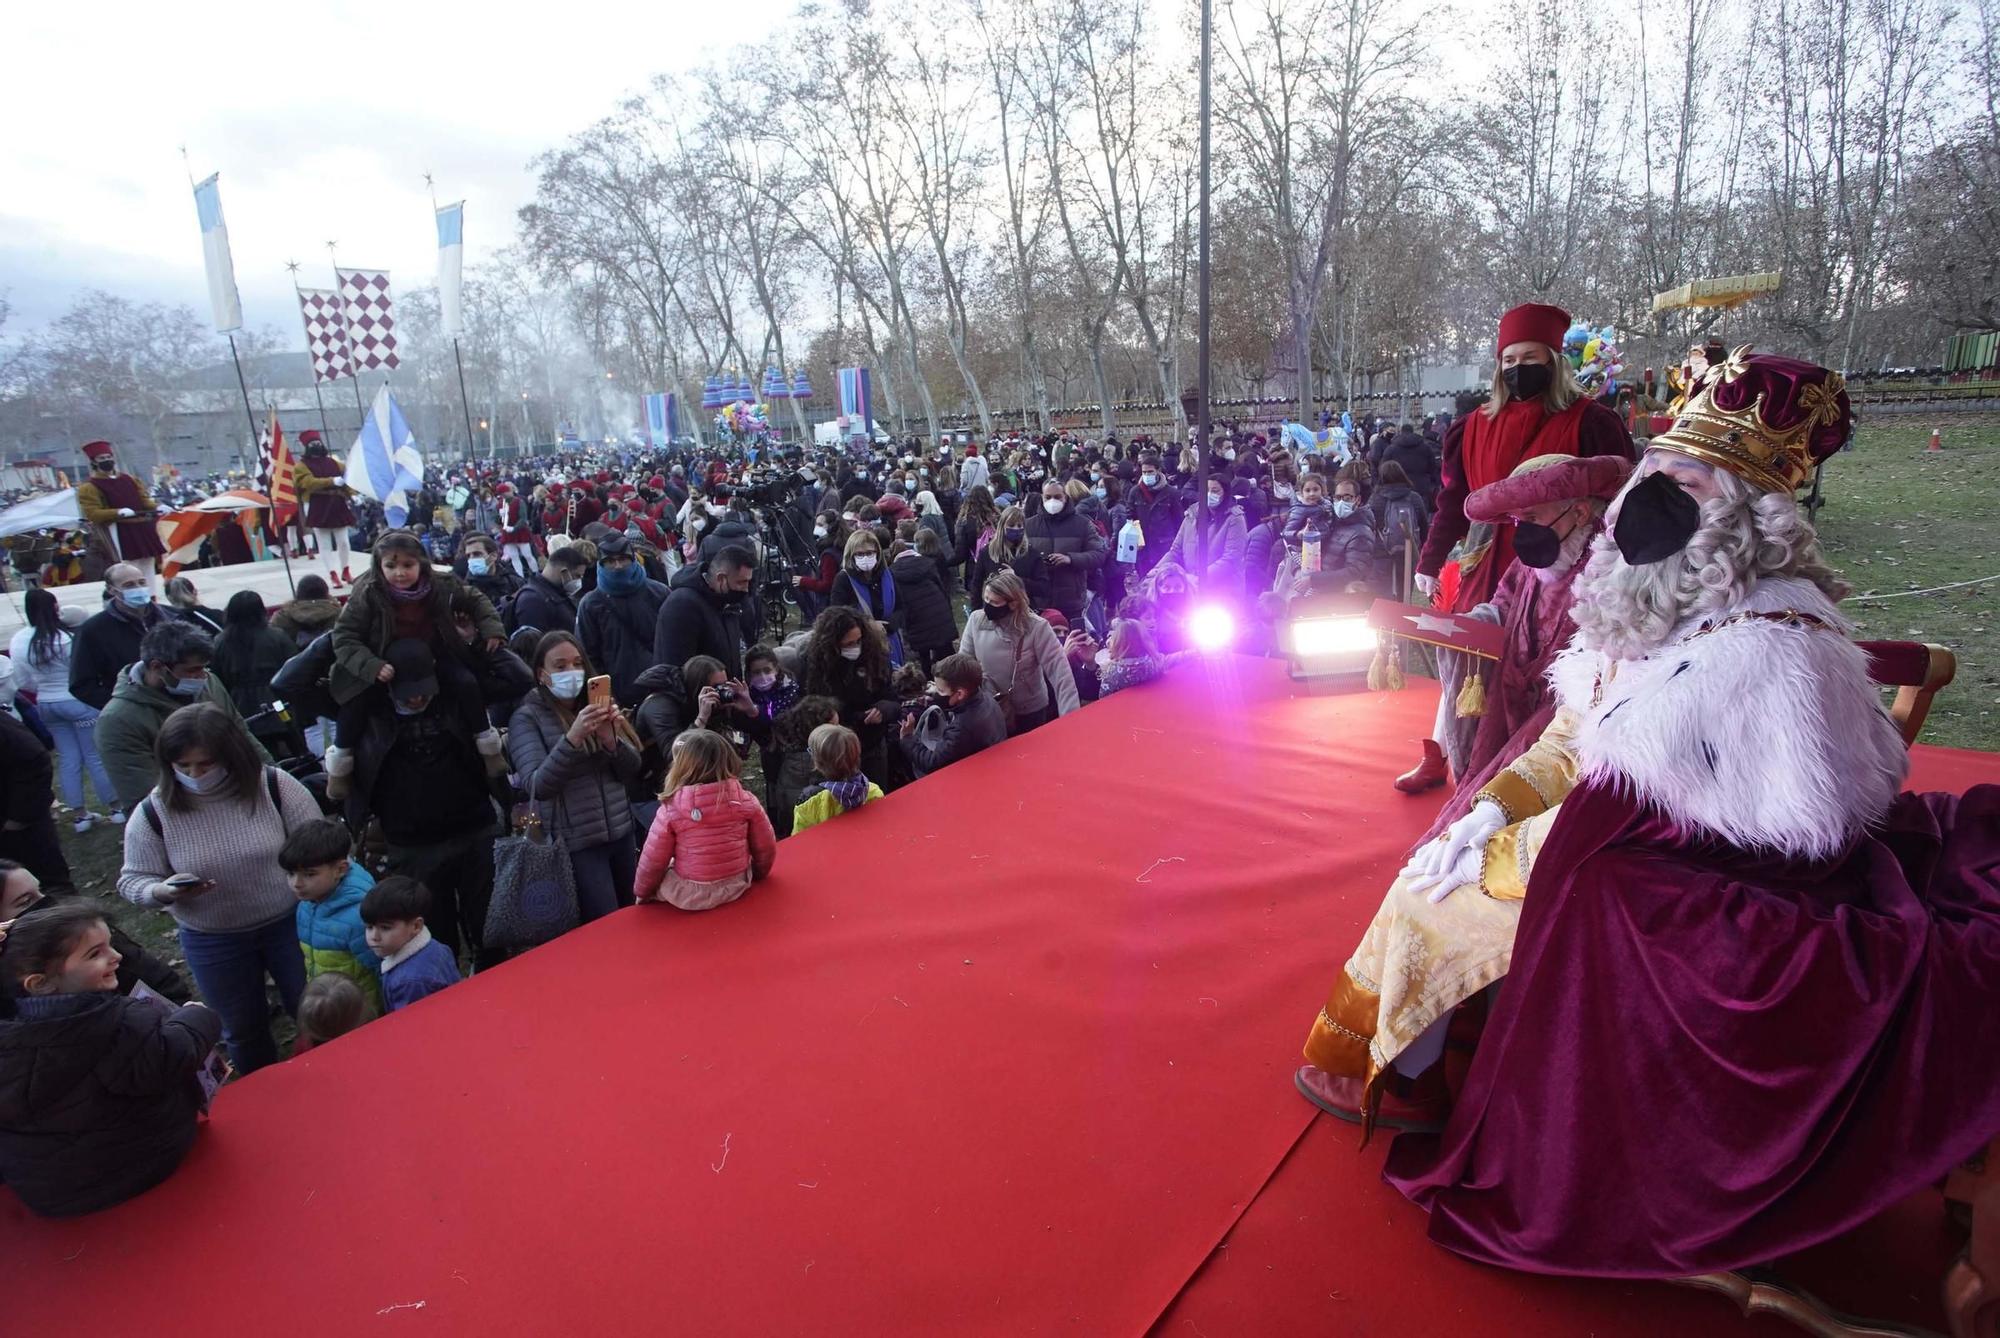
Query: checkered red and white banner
x=371, y=325
x=326, y=336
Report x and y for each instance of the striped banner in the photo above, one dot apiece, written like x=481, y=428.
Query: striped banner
x=855, y=400
x=663, y=417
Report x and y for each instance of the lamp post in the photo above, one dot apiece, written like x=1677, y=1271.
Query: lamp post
x=1200, y=416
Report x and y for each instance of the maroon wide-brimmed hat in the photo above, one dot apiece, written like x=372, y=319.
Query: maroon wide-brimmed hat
x=1548, y=478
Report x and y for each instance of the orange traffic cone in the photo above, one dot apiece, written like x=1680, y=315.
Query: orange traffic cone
x=1937, y=440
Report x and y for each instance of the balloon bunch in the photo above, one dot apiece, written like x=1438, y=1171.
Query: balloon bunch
x=743, y=423
x=1594, y=358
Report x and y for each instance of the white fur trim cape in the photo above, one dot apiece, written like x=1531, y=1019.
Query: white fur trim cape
x=1767, y=735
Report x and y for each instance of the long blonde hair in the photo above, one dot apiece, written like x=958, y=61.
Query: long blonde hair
x=1128, y=640
x=1007, y=584
x=700, y=757
x=1564, y=389
x=1013, y=517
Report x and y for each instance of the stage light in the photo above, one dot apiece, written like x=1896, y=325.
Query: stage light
x=1315, y=638
x=1211, y=627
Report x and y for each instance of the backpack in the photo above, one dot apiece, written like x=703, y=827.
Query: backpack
x=1400, y=520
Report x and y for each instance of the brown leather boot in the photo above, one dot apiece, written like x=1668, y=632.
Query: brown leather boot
x=1342, y=1098
x=1427, y=774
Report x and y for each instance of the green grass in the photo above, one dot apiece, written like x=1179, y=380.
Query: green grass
x=1898, y=519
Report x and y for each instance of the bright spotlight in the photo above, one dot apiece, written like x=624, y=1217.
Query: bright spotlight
x=1211, y=627
x=1316, y=637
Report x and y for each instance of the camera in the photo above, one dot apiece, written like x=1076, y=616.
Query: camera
x=725, y=693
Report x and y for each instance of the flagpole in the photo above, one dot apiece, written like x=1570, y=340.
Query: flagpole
x=248, y=412
x=464, y=402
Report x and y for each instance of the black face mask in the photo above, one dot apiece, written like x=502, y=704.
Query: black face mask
x=1535, y=545
x=1528, y=380
x=1656, y=520
x=998, y=611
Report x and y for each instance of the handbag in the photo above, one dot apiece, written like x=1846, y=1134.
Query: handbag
x=534, y=886
x=1005, y=696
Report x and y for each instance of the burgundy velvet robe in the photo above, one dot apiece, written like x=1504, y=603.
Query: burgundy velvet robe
x=1704, y=1060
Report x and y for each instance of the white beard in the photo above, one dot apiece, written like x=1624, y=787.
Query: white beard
x=1625, y=612
x=1574, y=546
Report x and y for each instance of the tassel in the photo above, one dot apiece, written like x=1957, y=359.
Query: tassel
x=1393, y=678
x=1472, y=698
x=1378, y=674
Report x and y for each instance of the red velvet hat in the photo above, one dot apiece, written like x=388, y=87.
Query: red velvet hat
x=1548, y=478
x=1533, y=323
x=309, y=436
x=1768, y=420
x=97, y=450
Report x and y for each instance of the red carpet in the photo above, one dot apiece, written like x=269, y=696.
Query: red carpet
x=1008, y=1053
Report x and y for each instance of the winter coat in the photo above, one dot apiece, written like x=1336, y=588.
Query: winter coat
x=543, y=605
x=1025, y=669
x=973, y=724
x=707, y=833
x=1228, y=534
x=98, y=1099
x=877, y=595
x=617, y=635
x=693, y=621
x=1350, y=548
x=367, y=624
x=333, y=938
x=1418, y=458
x=923, y=597
x=1065, y=587
x=304, y=619
x=246, y=659
x=421, y=969
x=1158, y=511
x=581, y=790
x=130, y=725
x=1393, y=502
x=818, y=804
x=105, y=646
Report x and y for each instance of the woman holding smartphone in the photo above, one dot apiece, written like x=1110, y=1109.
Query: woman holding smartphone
x=574, y=755
x=203, y=846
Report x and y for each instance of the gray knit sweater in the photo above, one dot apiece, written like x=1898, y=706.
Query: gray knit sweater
x=228, y=840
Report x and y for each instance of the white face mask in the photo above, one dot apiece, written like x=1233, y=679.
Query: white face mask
x=819, y=531
x=202, y=784
x=1150, y=480
x=864, y=562
x=1052, y=505
x=572, y=585
x=850, y=652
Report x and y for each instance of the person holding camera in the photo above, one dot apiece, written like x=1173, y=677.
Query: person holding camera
x=1064, y=549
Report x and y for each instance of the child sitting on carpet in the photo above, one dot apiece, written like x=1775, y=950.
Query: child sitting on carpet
x=711, y=838
x=1131, y=658
x=98, y=1098
x=841, y=788
x=332, y=1006
x=414, y=965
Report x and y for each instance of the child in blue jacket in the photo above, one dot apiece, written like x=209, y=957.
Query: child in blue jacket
x=414, y=964
x=329, y=884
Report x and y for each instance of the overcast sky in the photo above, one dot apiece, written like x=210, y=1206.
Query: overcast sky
x=322, y=120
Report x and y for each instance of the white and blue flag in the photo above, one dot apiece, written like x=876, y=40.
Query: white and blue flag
x=451, y=263
x=384, y=463
x=222, y=296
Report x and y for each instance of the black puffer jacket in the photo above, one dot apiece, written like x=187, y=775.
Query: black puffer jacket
x=694, y=621
x=924, y=600
x=98, y=1100
x=1065, y=587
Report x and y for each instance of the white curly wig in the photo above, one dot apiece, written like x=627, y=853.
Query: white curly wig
x=1746, y=534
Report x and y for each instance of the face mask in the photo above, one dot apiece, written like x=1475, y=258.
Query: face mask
x=186, y=687
x=1101, y=494
x=1343, y=508
x=1537, y=546
x=1052, y=506
x=1015, y=536
x=572, y=585
x=1150, y=480
x=1214, y=500
x=819, y=531
x=205, y=783
x=477, y=566
x=1527, y=380
x=566, y=683
x=850, y=652
x=998, y=611
x=1229, y=455
x=137, y=596
x=864, y=562
x=1655, y=520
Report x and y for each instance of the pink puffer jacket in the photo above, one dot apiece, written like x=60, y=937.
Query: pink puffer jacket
x=707, y=832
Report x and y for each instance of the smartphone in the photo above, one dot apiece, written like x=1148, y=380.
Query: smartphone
x=186, y=880
x=600, y=690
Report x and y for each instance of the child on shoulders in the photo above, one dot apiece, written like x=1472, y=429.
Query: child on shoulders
x=318, y=857
x=98, y=1096
x=711, y=839
x=414, y=965
x=840, y=787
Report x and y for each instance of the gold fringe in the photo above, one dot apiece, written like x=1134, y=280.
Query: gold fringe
x=1472, y=697
x=1378, y=670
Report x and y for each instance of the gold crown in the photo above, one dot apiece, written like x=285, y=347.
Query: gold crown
x=1741, y=440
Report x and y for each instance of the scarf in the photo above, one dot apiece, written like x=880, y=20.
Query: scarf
x=421, y=590
x=848, y=793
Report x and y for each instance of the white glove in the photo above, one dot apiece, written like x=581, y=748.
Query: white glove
x=125, y=511
x=1454, y=859
x=1427, y=586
